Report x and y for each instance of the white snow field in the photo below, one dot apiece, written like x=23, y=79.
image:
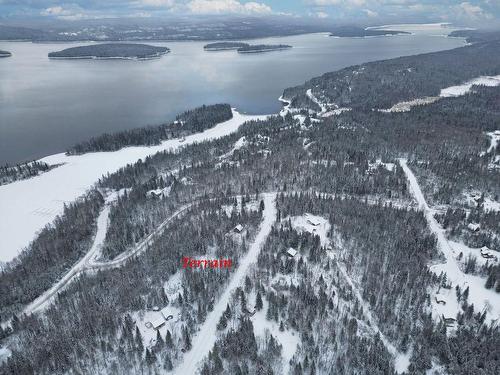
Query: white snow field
x=482, y=298
x=289, y=338
x=205, y=339
x=466, y=87
x=28, y=205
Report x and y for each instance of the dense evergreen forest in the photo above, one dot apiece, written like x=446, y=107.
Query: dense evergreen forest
x=192, y=121
x=254, y=48
x=102, y=324
x=359, y=32
x=110, y=51
x=219, y=46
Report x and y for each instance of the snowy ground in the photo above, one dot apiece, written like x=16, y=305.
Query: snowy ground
x=289, y=338
x=317, y=225
x=495, y=139
x=407, y=106
x=144, y=318
x=28, y=205
x=482, y=298
x=466, y=87
x=205, y=339
x=325, y=111
x=4, y=354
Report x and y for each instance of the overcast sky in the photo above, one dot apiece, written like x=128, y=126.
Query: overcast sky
x=479, y=12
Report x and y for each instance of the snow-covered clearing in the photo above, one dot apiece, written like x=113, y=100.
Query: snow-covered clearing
x=449, y=92
x=289, y=338
x=148, y=333
x=316, y=225
x=495, y=139
x=325, y=111
x=407, y=106
x=4, y=354
x=378, y=163
x=205, y=339
x=465, y=88
x=237, y=145
x=482, y=298
x=252, y=205
x=28, y=205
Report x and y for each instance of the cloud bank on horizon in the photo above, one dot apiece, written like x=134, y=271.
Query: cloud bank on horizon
x=466, y=12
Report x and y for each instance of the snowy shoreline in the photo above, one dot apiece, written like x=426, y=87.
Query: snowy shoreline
x=29, y=205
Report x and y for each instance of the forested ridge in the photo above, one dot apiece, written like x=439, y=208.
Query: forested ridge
x=382, y=84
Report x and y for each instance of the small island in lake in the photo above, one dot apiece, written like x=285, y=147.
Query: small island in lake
x=224, y=46
x=257, y=48
x=5, y=53
x=359, y=32
x=131, y=51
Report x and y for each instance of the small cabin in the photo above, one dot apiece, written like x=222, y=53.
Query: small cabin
x=314, y=223
x=474, y=227
x=291, y=252
x=238, y=228
x=486, y=253
x=167, y=314
x=157, y=193
x=158, y=322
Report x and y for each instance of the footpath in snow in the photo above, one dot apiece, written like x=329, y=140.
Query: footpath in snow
x=28, y=205
x=205, y=339
x=482, y=298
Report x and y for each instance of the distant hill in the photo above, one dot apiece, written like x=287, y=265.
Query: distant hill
x=475, y=36
x=111, y=51
x=352, y=32
x=263, y=48
x=5, y=53
x=222, y=46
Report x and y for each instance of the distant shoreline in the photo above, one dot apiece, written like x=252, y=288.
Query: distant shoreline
x=264, y=50
x=90, y=57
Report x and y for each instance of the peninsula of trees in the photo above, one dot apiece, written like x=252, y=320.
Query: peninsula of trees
x=189, y=122
x=111, y=51
x=5, y=53
x=359, y=32
x=224, y=46
x=263, y=48
x=21, y=171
